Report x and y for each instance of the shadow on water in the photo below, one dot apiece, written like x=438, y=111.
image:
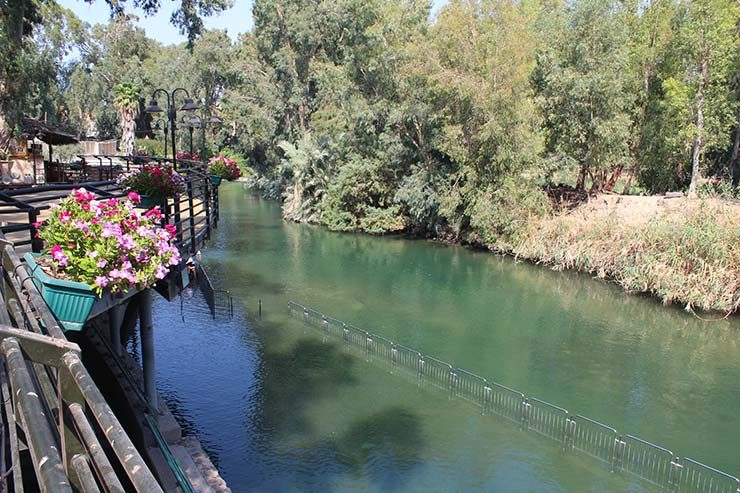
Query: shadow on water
x=298, y=375
x=384, y=445
x=308, y=370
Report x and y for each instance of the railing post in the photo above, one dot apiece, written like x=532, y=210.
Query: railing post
x=177, y=218
x=487, y=399
x=37, y=244
x=193, y=242
x=570, y=432
x=207, y=203
x=526, y=408
x=674, y=473
x=215, y=204
x=618, y=454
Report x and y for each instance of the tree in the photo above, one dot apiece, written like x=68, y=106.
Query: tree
x=126, y=100
x=581, y=81
x=709, y=41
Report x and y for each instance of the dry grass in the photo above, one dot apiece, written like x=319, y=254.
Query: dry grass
x=688, y=253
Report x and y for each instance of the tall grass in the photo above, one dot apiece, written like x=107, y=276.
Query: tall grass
x=690, y=256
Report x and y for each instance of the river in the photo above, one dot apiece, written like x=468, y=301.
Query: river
x=280, y=410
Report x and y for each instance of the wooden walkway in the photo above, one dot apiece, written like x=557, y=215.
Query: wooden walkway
x=60, y=432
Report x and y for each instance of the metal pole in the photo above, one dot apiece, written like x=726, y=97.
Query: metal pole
x=146, y=327
x=165, y=142
x=172, y=115
x=116, y=319
x=191, y=141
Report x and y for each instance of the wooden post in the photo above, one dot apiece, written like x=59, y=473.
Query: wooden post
x=146, y=327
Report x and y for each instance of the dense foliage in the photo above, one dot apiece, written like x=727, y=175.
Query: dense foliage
x=378, y=116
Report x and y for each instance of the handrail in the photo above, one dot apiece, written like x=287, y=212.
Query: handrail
x=57, y=444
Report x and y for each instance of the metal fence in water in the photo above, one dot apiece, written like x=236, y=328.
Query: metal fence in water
x=620, y=452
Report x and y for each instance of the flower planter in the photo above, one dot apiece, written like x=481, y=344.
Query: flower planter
x=71, y=302
x=149, y=201
x=215, y=180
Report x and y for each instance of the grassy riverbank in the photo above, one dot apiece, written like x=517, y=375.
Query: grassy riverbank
x=682, y=251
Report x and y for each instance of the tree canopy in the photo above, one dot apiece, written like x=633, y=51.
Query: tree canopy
x=374, y=115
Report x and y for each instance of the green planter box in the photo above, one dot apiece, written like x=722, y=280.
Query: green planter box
x=71, y=302
x=215, y=180
x=148, y=201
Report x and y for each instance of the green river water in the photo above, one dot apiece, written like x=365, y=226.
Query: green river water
x=280, y=410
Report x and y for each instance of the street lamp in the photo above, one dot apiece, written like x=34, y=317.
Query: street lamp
x=195, y=121
x=153, y=107
x=192, y=122
x=161, y=124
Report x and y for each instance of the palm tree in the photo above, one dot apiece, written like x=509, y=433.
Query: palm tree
x=126, y=99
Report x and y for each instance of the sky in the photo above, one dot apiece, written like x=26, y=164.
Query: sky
x=236, y=20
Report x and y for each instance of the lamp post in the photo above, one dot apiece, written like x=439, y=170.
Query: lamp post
x=194, y=122
x=191, y=123
x=161, y=124
x=153, y=107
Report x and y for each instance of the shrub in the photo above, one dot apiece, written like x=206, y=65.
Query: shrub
x=148, y=147
x=108, y=244
x=154, y=180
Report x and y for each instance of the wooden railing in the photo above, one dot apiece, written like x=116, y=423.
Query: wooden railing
x=52, y=407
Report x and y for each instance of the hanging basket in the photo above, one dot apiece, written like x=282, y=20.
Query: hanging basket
x=149, y=201
x=69, y=301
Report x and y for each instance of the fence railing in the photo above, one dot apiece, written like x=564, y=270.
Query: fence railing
x=194, y=212
x=620, y=452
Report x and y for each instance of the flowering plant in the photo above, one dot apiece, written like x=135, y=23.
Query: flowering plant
x=154, y=180
x=224, y=167
x=108, y=243
x=188, y=156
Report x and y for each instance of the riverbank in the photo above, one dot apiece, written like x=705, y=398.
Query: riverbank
x=682, y=251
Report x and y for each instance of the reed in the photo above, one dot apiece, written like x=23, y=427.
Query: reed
x=690, y=257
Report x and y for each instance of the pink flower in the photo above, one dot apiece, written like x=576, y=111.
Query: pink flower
x=160, y=272
x=171, y=230
x=102, y=263
x=101, y=281
x=154, y=214
x=58, y=255
x=65, y=216
x=135, y=198
x=110, y=229
x=93, y=254
x=126, y=242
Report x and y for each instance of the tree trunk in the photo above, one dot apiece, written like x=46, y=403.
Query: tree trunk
x=612, y=182
x=734, y=158
x=699, y=137
x=581, y=183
